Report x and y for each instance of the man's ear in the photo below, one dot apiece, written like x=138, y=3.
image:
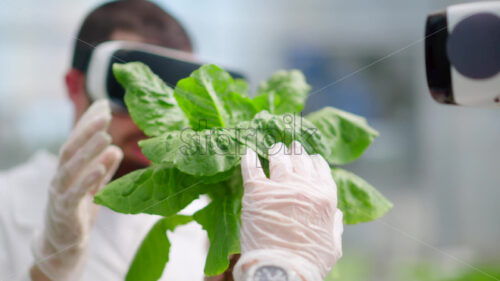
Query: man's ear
x=75, y=82
x=75, y=86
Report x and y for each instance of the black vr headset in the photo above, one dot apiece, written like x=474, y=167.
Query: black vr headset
x=462, y=52
x=169, y=64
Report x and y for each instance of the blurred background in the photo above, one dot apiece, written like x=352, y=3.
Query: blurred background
x=438, y=164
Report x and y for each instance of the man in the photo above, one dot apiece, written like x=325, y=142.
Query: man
x=24, y=190
x=290, y=223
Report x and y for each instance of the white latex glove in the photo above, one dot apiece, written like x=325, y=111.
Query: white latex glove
x=292, y=218
x=87, y=161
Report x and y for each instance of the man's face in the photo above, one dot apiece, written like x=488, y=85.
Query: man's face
x=122, y=129
x=126, y=134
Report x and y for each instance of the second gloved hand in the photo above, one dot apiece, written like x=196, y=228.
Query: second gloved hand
x=87, y=161
x=291, y=218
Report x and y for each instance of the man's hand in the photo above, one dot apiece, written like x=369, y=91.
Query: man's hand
x=292, y=218
x=87, y=161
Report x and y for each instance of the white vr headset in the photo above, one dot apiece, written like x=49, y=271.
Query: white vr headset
x=169, y=64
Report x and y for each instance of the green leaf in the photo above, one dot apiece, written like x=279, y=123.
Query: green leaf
x=159, y=190
x=284, y=92
x=240, y=86
x=153, y=254
x=221, y=220
x=199, y=153
x=212, y=99
x=348, y=135
x=208, y=152
x=239, y=107
x=357, y=199
x=266, y=129
x=150, y=102
x=206, y=158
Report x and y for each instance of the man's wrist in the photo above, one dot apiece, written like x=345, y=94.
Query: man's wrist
x=260, y=266
x=274, y=262
x=268, y=271
x=37, y=275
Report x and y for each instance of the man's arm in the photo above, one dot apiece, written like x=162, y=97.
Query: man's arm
x=37, y=275
x=87, y=161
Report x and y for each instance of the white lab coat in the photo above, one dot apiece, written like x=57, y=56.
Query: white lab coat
x=114, y=238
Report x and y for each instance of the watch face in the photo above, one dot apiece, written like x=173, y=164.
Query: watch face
x=270, y=273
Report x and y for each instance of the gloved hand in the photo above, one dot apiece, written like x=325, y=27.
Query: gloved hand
x=292, y=218
x=87, y=161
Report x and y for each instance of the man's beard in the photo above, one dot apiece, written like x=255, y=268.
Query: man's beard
x=127, y=166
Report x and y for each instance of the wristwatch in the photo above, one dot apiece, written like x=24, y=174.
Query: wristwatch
x=270, y=272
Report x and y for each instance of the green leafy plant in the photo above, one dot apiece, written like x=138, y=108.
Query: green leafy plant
x=198, y=133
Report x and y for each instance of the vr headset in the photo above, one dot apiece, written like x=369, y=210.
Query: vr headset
x=462, y=54
x=169, y=64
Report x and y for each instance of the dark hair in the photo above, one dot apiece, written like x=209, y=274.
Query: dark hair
x=141, y=17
